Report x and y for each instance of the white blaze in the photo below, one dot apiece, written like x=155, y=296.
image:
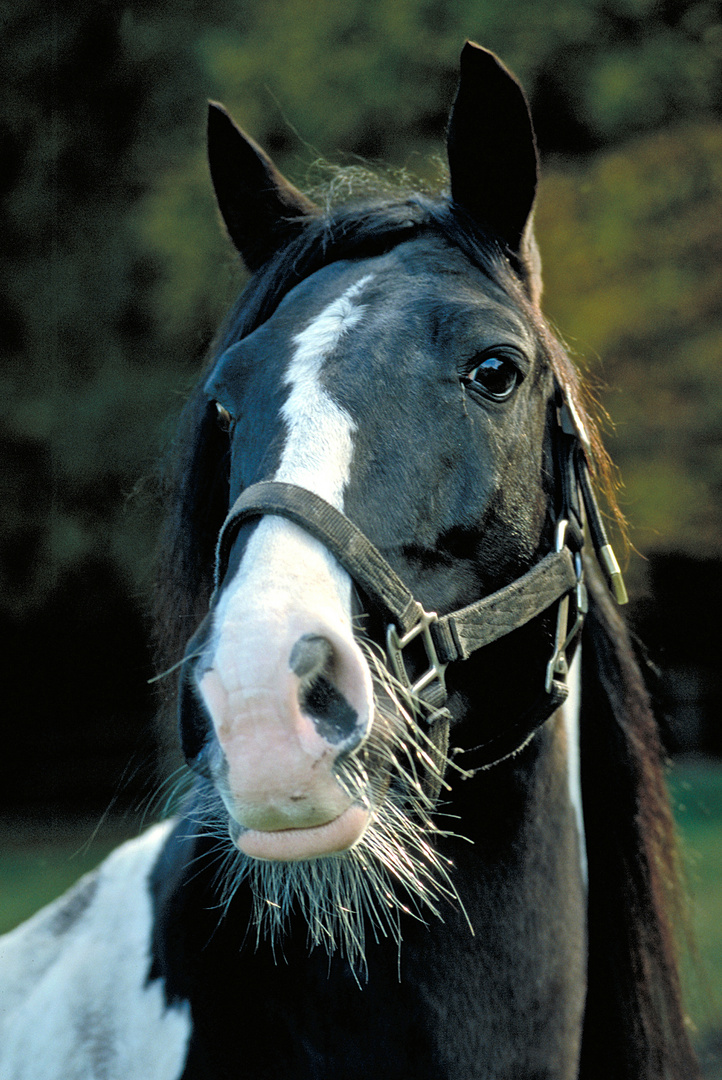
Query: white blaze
x=318, y=450
x=316, y=456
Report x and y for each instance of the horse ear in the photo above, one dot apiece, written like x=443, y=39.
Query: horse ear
x=260, y=208
x=493, y=156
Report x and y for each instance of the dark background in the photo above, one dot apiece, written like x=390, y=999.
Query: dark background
x=115, y=275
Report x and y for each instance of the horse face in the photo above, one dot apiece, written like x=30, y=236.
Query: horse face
x=404, y=390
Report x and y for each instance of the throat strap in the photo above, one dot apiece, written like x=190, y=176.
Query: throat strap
x=463, y=632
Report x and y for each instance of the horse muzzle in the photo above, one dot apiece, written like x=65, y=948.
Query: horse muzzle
x=273, y=701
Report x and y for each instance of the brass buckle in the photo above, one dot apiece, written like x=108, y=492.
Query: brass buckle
x=395, y=646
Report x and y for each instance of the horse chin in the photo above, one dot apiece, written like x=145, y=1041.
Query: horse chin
x=292, y=845
x=362, y=870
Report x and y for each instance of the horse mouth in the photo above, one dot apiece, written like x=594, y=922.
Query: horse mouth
x=294, y=844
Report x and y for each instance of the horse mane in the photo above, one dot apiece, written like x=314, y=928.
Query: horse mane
x=634, y=1025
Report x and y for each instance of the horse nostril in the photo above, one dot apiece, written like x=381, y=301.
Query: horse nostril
x=310, y=655
x=333, y=716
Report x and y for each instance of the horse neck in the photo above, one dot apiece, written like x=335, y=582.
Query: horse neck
x=502, y=807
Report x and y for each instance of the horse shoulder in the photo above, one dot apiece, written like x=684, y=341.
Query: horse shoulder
x=75, y=996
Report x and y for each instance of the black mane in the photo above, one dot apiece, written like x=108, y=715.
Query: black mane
x=635, y=1025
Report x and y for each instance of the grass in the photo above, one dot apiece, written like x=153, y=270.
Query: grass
x=696, y=790
x=39, y=860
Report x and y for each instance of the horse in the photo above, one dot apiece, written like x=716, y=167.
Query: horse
x=428, y=834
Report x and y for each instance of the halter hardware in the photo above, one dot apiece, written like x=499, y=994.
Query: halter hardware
x=565, y=637
x=395, y=645
x=580, y=453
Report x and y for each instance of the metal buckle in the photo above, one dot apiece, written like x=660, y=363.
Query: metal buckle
x=395, y=646
x=564, y=636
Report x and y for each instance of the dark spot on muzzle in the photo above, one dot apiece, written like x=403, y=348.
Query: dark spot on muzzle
x=335, y=720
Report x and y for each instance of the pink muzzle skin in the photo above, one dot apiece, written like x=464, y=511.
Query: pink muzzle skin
x=287, y=698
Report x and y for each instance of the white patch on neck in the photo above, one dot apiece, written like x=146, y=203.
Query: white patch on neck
x=77, y=999
x=571, y=711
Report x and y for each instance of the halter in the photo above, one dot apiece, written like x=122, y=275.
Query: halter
x=557, y=579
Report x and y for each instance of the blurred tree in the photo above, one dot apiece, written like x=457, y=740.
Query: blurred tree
x=633, y=254
x=115, y=273
x=95, y=104
x=87, y=375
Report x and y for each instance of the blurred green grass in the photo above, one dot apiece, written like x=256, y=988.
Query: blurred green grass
x=696, y=791
x=40, y=859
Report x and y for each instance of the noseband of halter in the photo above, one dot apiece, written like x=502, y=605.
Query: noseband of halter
x=557, y=579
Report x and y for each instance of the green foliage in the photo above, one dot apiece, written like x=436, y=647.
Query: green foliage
x=696, y=791
x=116, y=273
x=89, y=371
x=376, y=78
x=633, y=256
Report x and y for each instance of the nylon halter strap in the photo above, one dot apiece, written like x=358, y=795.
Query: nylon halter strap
x=557, y=578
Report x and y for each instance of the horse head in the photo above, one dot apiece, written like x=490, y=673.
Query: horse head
x=389, y=362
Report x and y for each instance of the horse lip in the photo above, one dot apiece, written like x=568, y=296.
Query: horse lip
x=299, y=843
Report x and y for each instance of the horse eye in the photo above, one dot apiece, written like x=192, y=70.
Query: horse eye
x=496, y=377
x=224, y=417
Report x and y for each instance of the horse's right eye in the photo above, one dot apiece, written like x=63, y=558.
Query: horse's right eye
x=224, y=417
